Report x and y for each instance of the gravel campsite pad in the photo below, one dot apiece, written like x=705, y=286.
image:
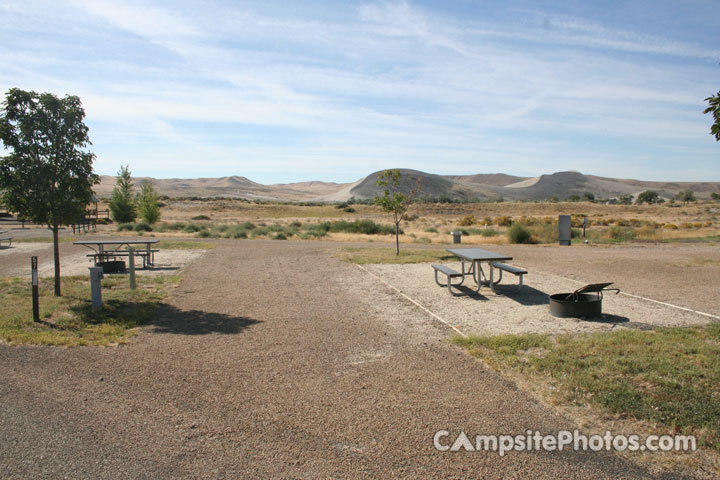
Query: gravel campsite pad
x=511, y=312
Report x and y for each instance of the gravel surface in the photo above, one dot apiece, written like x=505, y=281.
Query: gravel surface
x=273, y=360
x=508, y=310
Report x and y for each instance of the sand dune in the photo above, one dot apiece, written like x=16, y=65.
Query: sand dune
x=559, y=185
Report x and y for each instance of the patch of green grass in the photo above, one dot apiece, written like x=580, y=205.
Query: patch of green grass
x=669, y=376
x=364, y=256
x=70, y=320
x=181, y=245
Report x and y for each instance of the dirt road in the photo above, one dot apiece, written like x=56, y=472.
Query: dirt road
x=272, y=360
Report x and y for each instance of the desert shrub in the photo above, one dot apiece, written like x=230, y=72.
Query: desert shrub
x=317, y=229
x=367, y=227
x=222, y=228
x=125, y=227
x=486, y=221
x=529, y=221
x=577, y=220
x=489, y=232
x=575, y=233
x=201, y=217
x=621, y=234
x=503, y=221
x=295, y=224
x=142, y=227
x=671, y=226
x=648, y=232
x=425, y=240
x=342, y=205
x=431, y=230
x=545, y=233
x=467, y=220
x=239, y=234
x=519, y=234
x=192, y=228
x=349, y=210
x=203, y=234
x=279, y=236
x=313, y=234
x=174, y=227
x=248, y=226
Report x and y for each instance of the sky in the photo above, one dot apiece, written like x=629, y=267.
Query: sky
x=286, y=91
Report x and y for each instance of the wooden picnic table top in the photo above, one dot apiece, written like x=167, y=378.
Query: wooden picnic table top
x=478, y=255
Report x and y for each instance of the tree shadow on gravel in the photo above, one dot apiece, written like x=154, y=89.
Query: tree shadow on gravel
x=170, y=319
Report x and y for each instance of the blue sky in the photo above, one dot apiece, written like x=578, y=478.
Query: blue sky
x=282, y=91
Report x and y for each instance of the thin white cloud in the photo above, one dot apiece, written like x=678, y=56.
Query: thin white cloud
x=387, y=82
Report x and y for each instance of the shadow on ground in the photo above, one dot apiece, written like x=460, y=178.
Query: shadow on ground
x=170, y=319
x=526, y=296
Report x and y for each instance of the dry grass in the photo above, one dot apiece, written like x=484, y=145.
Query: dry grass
x=431, y=223
x=70, y=320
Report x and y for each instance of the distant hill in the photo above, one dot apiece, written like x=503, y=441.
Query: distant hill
x=560, y=185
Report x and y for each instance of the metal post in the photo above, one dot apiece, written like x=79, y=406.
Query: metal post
x=35, y=294
x=131, y=259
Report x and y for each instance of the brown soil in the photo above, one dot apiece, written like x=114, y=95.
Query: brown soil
x=276, y=360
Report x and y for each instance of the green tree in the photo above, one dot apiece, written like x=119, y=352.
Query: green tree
x=625, y=199
x=148, y=204
x=48, y=175
x=392, y=200
x=648, y=196
x=122, y=202
x=714, y=102
x=588, y=197
x=685, y=196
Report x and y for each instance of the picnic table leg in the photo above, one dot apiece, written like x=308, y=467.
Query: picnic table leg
x=150, y=260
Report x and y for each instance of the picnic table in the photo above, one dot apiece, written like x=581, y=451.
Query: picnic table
x=104, y=250
x=476, y=256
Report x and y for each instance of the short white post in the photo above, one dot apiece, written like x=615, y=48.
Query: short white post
x=131, y=258
x=96, y=276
